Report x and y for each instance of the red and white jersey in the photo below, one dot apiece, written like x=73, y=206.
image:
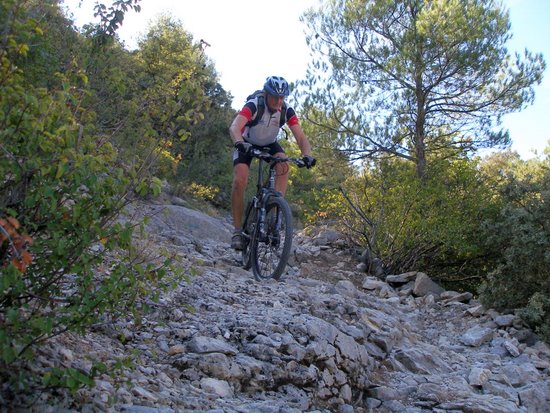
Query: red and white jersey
x=266, y=130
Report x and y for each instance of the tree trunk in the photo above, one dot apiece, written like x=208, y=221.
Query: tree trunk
x=420, y=149
x=419, y=135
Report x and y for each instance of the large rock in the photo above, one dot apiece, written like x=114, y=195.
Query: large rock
x=182, y=224
x=423, y=285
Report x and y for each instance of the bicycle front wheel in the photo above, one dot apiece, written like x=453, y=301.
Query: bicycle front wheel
x=270, y=251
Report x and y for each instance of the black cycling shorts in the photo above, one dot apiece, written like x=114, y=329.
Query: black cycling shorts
x=239, y=157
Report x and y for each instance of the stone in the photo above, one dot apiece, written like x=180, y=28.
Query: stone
x=522, y=374
x=499, y=389
x=220, y=388
x=476, y=311
x=177, y=349
x=424, y=286
x=511, y=348
x=432, y=392
x=476, y=336
x=401, y=278
x=478, y=376
x=505, y=320
x=370, y=283
x=346, y=288
x=66, y=354
x=422, y=360
x=204, y=344
x=327, y=236
x=383, y=393
x=534, y=397
x=345, y=393
x=144, y=394
x=456, y=298
x=362, y=267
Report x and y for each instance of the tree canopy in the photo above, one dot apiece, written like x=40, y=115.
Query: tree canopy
x=413, y=77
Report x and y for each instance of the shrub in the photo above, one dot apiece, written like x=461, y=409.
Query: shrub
x=63, y=188
x=413, y=225
x=520, y=236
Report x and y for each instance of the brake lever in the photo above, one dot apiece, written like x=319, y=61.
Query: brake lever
x=300, y=163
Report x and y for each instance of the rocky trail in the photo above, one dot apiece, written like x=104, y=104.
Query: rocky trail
x=327, y=338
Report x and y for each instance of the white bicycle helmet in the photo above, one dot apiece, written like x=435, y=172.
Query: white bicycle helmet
x=276, y=86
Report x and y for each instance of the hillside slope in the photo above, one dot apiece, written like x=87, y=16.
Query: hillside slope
x=327, y=338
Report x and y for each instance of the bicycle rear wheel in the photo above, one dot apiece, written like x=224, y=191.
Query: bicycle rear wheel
x=270, y=253
x=248, y=233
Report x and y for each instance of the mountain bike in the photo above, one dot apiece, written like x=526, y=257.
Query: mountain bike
x=267, y=227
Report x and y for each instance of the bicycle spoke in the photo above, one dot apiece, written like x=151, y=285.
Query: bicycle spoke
x=272, y=250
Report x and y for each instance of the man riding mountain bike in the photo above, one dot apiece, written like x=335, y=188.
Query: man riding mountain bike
x=257, y=125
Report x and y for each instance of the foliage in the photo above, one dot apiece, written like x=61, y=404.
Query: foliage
x=416, y=79
x=518, y=236
x=206, y=193
x=145, y=102
x=206, y=156
x=537, y=313
x=308, y=187
x=394, y=82
x=53, y=44
x=187, y=109
x=172, y=75
x=411, y=225
x=111, y=17
x=63, y=188
x=152, y=100
x=14, y=246
x=161, y=105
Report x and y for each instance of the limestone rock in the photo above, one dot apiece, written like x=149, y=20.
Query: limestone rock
x=325, y=338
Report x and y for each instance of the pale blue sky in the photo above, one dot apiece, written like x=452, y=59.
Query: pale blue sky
x=530, y=128
x=245, y=50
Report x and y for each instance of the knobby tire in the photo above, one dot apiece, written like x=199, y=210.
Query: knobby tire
x=248, y=234
x=270, y=255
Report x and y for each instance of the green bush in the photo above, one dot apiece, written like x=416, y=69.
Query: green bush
x=430, y=226
x=519, y=236
x=537, y=314
x=65, y=188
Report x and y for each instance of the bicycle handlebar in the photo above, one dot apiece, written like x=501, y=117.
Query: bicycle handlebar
x=266, y=156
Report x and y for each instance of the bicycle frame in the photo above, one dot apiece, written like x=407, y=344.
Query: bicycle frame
x=266, y=189
x=265, y=157
x=256, y=229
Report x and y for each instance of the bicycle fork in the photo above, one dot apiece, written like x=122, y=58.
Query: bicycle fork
x=269, y=229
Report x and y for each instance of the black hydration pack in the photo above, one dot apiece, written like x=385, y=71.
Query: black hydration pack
x=261, y=108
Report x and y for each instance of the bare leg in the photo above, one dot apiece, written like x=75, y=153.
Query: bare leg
x=240, y=180
x=281, y=178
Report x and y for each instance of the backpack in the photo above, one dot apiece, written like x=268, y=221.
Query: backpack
x=261, y=108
